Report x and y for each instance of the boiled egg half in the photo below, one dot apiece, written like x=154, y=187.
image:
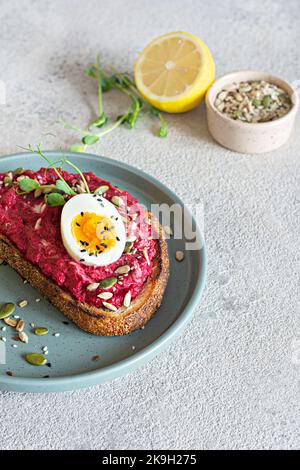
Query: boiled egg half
x=92, y=230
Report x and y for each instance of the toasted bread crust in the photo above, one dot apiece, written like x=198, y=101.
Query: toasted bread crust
x=91, y=319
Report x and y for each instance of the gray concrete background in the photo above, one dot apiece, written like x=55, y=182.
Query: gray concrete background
x=232, y=379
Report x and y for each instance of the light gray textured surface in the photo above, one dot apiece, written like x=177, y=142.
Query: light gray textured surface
x=232, y=379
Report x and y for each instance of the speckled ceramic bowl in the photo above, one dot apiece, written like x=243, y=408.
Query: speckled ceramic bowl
x=247, y=137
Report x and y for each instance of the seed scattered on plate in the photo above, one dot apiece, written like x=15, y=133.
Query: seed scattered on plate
x=6, y=310
x=179, y=255
x=23, y=337
x=41, y=331
x=3, y=339
x=56, y=335
x=36, y=359
x=23, y=303
x=20, y=326
x=10, y=322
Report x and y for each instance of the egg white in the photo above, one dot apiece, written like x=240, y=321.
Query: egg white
x=100, y=206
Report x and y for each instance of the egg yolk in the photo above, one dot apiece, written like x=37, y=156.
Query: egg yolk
x=94, y=233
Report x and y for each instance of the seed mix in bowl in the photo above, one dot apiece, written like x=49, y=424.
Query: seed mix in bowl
x=253, y=101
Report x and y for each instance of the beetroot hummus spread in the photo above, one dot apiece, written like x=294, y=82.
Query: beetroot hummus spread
x=34, y=228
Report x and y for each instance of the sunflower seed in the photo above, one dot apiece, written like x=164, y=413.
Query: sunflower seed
x=128, y=247
x=110, y=306
x=105, y=295
x=127, y=299
x=20, y=326
x=93, y=286
x=23, y=337
x=123, y=269
x=10, y=322
x=146, y=256
x=117, y=201
x=101, y=190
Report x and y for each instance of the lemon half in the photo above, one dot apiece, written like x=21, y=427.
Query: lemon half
x=174, y=72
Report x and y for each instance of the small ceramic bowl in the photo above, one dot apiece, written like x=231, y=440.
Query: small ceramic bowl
x=246, y=137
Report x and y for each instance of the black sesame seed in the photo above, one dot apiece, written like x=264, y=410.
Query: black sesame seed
x=81, y=260
x=46, y=376
x=98, y=247
x=82, y=214
x=104, y=245
x=82, y=251
x=118, y=239
x=49, y=364
x=78, y=225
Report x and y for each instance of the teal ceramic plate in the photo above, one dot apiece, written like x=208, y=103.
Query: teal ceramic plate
x=70, y=354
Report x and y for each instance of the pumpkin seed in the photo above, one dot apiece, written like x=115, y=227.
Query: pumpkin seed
x=93, y=286
x=105, y=295
x=36, y=359
x=41, y=331
x=117, y=201
x=110, y=306
x=108, y=282
x=145, y=253
x=127, y=299
x=256, y=103
x=123, y=269
x=101, y=189
x=128, y=247
x=6, y=310
x=23, y=337
x=266, y=101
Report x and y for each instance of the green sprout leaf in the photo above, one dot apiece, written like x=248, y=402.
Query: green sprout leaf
x=54, y=199
x=163, y=131
x=28, y=185
x=100, y=121
x=63, y=186
x=77, y=148
x=90, y=139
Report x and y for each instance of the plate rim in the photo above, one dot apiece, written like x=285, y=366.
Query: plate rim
x=110, y=372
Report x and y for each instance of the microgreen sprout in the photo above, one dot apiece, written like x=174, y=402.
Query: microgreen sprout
x=54, y=198
x=114, y=80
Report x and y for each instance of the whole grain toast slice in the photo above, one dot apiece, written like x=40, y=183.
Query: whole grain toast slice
x=98, y=321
